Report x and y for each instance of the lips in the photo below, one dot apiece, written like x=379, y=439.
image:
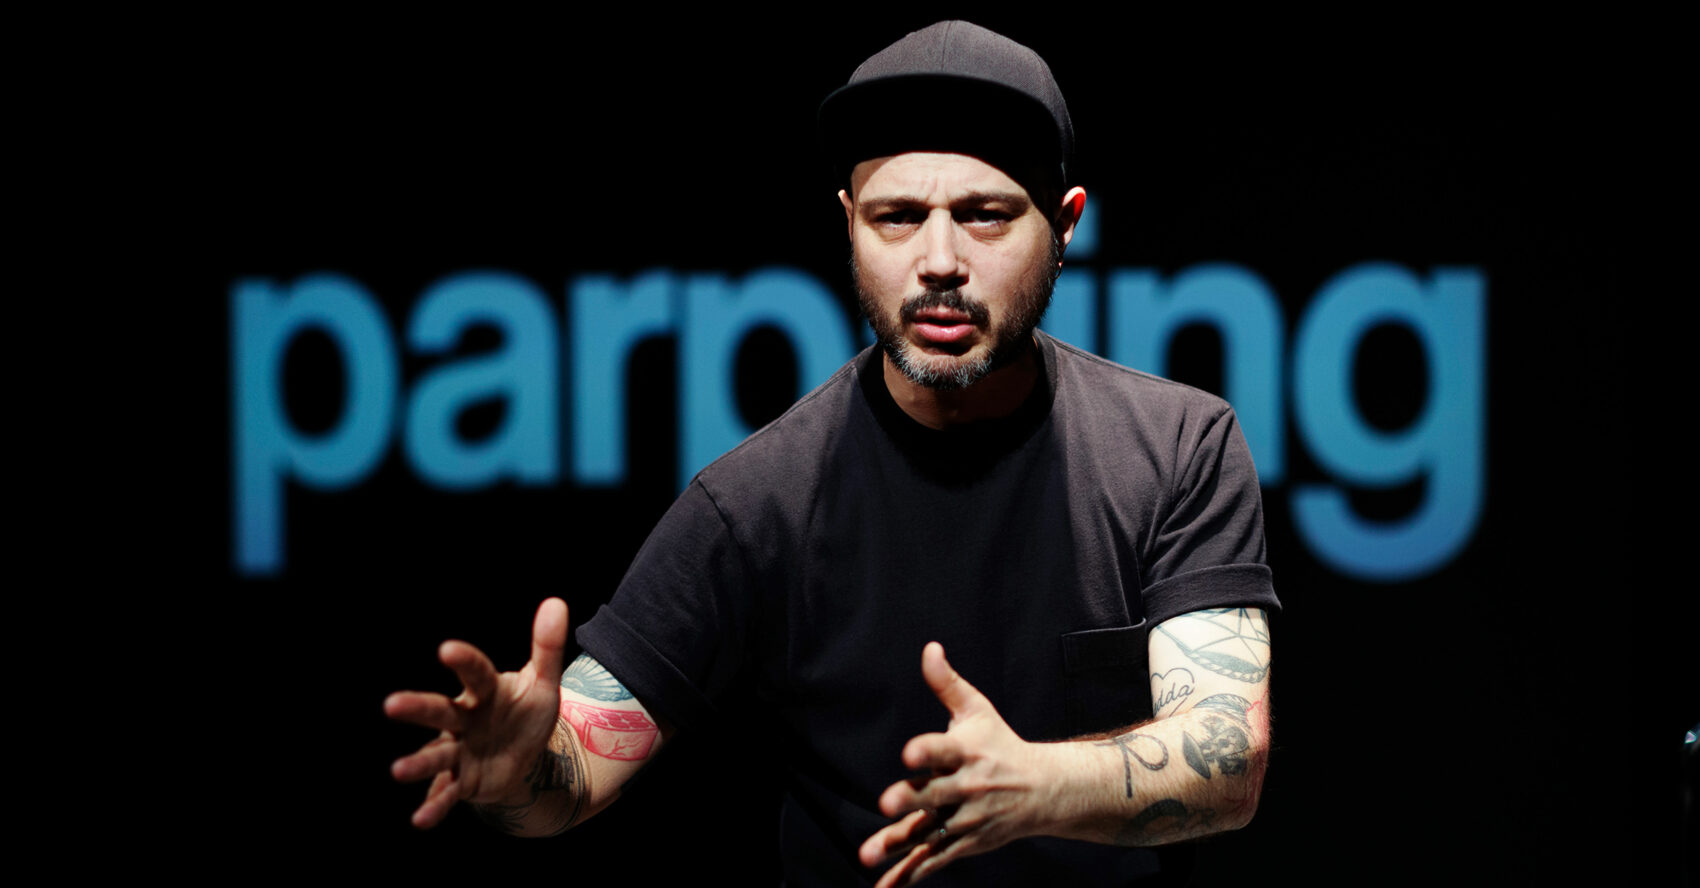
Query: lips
x=942, y=324
x=944, y=318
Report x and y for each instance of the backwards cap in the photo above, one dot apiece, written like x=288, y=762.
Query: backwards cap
x=953, y=87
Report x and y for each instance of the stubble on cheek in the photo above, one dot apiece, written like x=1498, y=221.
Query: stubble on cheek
x=1007, y=340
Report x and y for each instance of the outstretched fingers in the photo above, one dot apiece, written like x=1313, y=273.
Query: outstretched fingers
x=903, y=872
x=939, y=753
x=474, y=670
x=439, y=800
x=491, y=731
x=435, y=757
x=425, y=709
x=926, y=841
x=895, y=838
x=949, y=814
x=920, y=794
x=946, y=849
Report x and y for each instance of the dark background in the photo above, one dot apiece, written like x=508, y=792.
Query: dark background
x=1448, y=727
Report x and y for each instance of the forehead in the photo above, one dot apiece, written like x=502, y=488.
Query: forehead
x=926, y=175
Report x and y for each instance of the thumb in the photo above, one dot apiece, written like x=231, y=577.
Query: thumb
x=954, y=691
x=549, y=639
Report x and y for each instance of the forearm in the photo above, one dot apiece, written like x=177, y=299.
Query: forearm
x=558, y=792
x=1178, y=778
x=603, y=736
x=1196, y=770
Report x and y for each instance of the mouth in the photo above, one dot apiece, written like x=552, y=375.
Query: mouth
x=943, y=325
x=946, y=319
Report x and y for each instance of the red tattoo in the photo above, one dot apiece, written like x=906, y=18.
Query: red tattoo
x=622, y=734
x=1257, y=719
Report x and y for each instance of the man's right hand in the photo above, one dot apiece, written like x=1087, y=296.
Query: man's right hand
x=496, y=733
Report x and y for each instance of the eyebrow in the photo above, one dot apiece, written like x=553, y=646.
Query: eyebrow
x=1017, y=201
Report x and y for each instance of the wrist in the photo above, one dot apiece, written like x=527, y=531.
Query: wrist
x=1072, y=783
x=1088, y=791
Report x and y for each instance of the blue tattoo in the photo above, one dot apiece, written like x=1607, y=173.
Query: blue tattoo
x=588, y=678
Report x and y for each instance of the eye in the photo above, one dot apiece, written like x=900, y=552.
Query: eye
x=898, y=218
x=984, y=217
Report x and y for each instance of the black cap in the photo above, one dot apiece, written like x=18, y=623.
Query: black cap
x=953, y=87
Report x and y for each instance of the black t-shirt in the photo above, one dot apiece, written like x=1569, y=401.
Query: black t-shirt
x=813, y=562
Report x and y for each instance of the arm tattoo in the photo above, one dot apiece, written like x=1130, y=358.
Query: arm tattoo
x=1224, y=748
x=1164, y=821
x=1170, y=689
x=588, y=678
x=507, y=818
x=1231, y=641
x=1225, y=742
x=623, y=734
x=552, y=772
x=1125, y=743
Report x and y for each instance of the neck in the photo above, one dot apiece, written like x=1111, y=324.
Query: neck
x=997, y=395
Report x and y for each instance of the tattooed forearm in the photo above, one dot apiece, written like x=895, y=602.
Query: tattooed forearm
x=1224, y=742
x=1165, y=821
x=554, y=771
x=1207, y=669
x=1230, y=641
x=507, y=818
x=1223, y=745
x=1222, y=739
x=1130, y=745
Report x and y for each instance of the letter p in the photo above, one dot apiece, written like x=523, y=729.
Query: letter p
x=267, y=448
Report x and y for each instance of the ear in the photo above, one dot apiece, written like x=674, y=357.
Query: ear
x=1068, y=215
x=849, y=213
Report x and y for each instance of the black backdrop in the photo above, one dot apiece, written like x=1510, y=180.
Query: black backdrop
x=1413, y=717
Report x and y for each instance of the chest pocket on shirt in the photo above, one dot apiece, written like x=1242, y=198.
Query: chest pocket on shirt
x=1107, y=678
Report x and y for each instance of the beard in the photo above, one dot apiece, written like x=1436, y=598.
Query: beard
x=1008, y=340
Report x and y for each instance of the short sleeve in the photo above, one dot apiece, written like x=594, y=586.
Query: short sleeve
x=674, y=632
x=1207, y=548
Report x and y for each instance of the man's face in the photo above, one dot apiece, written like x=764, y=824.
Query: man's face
x=953, y=263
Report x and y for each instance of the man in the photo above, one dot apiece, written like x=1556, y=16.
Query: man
x=1083, y=540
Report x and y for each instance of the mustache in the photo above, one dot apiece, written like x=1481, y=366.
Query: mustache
x=953, y=299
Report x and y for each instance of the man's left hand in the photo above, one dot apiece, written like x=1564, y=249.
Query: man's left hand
x=987, y=786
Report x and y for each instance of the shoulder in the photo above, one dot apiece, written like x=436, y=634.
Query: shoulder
x=1097, y=392
x=784, y=452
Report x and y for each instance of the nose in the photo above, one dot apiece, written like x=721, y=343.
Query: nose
x=942, y=267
